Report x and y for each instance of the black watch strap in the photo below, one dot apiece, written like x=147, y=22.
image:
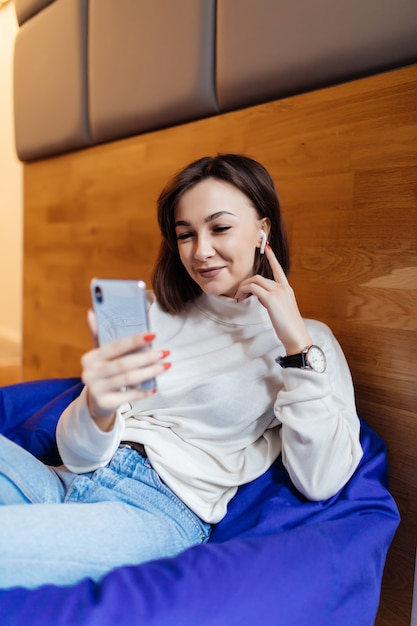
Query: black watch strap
x=294, y=360
x=312, y=358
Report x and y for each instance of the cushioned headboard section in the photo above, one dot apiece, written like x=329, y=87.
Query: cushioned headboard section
x=50, y=81
x=89, y=71
x=267, y=49
x=151, y=64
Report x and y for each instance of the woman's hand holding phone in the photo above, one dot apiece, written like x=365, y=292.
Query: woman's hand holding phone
x=114, y=372
x=122, y=367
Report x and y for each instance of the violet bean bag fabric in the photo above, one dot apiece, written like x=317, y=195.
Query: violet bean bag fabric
x=275, y=559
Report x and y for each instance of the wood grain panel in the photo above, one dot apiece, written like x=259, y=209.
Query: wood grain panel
x=345, y=163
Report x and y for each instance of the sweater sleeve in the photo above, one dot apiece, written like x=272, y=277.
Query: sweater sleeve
x=82, y=445
x=320, y=426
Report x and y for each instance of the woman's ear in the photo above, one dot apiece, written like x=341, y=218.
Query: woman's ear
x=265, y=225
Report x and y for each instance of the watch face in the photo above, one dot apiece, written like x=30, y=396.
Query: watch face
x=316, y=359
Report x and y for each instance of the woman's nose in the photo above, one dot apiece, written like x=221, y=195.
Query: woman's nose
x=203, y=248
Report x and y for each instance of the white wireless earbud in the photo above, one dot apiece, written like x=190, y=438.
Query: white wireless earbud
x=263, y=244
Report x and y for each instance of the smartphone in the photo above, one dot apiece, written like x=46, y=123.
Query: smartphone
x=121, y=310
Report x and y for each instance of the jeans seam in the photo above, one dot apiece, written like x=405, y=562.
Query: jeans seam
x=193, y=517
x=14, y=477
x=197, y=522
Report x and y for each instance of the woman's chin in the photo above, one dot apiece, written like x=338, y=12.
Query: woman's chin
x=218, y=291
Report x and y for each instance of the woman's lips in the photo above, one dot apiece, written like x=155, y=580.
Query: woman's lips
x=209, y=272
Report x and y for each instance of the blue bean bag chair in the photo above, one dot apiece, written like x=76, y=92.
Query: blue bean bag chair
x=275, y=559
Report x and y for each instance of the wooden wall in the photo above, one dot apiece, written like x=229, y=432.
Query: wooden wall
x=345, y=163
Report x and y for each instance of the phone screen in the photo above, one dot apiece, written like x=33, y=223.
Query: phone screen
x=120, y=307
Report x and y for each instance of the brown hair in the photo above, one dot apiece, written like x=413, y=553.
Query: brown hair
x=172, y=285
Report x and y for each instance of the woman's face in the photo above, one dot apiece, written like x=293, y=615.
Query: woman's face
x=217, y=232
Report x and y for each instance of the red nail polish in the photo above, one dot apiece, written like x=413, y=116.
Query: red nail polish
x=268, y=246
x=166, y=366
x=149, y=337
x=163, y=354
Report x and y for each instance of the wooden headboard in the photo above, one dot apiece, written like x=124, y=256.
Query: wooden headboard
x=345, y=164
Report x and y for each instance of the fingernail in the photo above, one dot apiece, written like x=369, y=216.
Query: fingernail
x=149, y=337
x=163, y=354
x=268, y=246
x=166, y=366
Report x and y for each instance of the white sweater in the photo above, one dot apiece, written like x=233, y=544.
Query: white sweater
x=225, y=410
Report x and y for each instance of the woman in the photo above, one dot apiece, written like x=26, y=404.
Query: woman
x=147, y=473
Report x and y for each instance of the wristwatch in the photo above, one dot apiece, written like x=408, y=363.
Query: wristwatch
x=311, y=358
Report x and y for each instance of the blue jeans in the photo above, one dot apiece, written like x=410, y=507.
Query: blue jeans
x=84, y=525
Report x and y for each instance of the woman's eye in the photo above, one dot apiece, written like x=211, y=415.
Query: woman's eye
x=221, y=229
x=183, y=236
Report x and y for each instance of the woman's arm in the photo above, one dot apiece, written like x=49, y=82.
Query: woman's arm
x=82, y=445
x=320, y=426
x=90, y=429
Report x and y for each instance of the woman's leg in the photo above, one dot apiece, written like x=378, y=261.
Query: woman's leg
x=118, y=515
x=24, y=479
x=64, y=543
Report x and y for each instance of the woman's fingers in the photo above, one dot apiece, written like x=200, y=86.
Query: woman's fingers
x=278, y=272
x=119, y=347
x=278, y=297
x=258, y=286
x=254, y=284
x=114, y=372
x=105, y=396
x=127, y=371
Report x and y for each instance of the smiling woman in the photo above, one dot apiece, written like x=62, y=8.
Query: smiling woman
x=192, y=212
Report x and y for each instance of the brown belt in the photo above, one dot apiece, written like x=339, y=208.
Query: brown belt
x=139, y=447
